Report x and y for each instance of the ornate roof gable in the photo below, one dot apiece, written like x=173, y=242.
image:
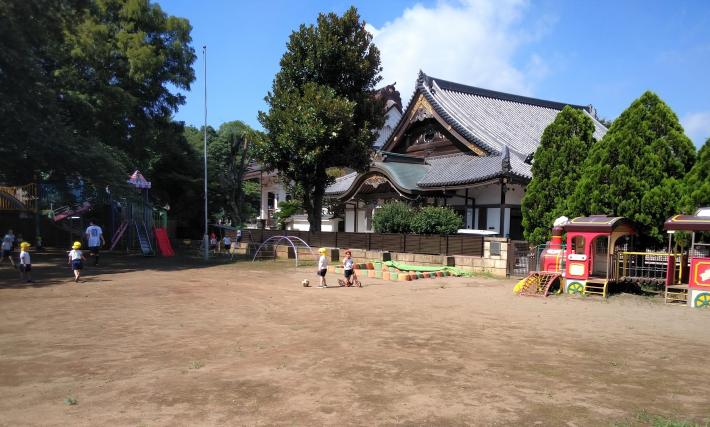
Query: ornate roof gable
x=482, y=120
x=419, y=111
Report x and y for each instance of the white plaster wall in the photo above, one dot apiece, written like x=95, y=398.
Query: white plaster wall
x=487, y=195
x=514, y=196
x=361, y=221
x=349, y=219
x=300, y=223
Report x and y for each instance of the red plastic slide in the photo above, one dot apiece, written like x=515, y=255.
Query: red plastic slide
x=161, y=236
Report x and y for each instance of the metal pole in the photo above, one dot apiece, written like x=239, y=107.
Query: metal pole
x=205, y=238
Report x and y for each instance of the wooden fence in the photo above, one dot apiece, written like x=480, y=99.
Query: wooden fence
x=459, y=244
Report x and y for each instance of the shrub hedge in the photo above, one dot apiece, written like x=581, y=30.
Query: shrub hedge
x=398, y=217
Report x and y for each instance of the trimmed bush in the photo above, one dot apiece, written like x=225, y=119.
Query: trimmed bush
x=436, y=220
x=287, y=208
x=392, y=217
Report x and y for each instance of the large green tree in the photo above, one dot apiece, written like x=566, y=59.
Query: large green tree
x=322, y=111
x=229, y=151
x=556, y=169
x=697, y=182
x=176, y=174
x=33, y=126
x=87, y=88
x=124, y=59
x=229, y=155
x=634, y=171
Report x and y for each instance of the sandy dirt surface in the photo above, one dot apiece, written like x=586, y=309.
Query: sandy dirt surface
x=145, y=342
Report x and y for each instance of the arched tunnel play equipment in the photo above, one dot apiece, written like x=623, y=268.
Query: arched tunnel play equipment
x=267, y=250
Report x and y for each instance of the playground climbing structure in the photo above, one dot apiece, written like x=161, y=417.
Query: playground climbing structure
x=134, y=218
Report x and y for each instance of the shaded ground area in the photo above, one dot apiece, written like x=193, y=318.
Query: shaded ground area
x=157, y=341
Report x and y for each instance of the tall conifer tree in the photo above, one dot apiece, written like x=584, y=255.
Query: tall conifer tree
x=556, y=168
x=697, y=182
x=634, y=171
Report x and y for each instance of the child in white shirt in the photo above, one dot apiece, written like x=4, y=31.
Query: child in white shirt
x=322, y=267
x=25, y=263
x=76, y=259
x=349, y=271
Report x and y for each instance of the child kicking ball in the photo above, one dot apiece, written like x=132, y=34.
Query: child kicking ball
x=322, y=267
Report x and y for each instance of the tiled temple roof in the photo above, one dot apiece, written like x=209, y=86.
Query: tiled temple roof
x=507, y=127
x=493, y=119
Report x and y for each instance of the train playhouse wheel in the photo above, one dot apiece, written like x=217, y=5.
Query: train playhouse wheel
x=575, y=288
x=702, y=301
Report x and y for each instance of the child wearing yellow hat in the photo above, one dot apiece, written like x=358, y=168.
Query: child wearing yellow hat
x=76, y=259
x=322, y=267
x=25, y=263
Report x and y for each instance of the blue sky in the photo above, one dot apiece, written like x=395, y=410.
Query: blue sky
x=604, y=53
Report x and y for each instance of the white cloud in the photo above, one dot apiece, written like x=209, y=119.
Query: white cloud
x=467, y=41
x=697, y=126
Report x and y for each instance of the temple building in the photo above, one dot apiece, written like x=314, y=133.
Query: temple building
x=459, y=146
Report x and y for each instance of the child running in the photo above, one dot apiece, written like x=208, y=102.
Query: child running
x=25, y=263
x=75, y=260
x=7, y=243
x=348, y=271
x=322, y=267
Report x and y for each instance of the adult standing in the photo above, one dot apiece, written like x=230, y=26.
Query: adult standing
x=8, y=242
x=95, y=239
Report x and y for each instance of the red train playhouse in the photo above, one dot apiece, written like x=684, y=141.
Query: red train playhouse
x=594, y=258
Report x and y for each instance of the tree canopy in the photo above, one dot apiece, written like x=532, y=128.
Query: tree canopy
x=229, y=155
x=322, y=111
x=564, y=146
x=88, y=88
x=697, y=182
x=635, y=170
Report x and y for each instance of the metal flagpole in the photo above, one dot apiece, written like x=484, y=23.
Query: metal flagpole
x=205, y=238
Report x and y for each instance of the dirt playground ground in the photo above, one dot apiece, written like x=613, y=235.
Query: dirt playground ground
x=146, y=342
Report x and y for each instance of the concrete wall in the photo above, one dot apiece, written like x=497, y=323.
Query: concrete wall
x=495, y=265
x=300, y=223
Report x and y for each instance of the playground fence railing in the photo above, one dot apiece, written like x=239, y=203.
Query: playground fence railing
x=470, y=245
x=647, y=267
x=22, y=198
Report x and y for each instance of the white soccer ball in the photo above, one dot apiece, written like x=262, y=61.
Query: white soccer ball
x=306, y=283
